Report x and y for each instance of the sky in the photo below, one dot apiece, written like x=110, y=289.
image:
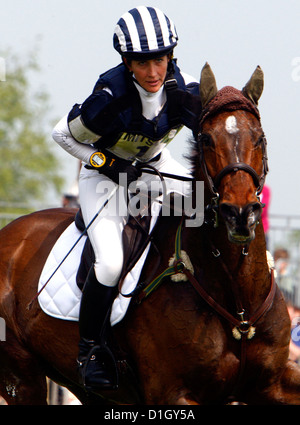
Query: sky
x=73, y=39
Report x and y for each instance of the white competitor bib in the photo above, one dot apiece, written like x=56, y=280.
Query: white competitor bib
x=132, y=146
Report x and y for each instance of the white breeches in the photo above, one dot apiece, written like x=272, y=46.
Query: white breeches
x=106, y=231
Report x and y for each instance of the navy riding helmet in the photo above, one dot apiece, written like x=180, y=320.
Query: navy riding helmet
x=144, y=32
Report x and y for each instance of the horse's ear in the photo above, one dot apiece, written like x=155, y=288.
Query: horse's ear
x=254, y=88
x=208, y=87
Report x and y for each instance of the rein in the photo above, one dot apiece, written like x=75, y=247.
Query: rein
x=177, y=267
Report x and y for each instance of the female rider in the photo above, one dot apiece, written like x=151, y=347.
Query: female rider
x=130, y=117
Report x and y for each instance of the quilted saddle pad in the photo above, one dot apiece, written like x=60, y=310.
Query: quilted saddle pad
x=60, y=298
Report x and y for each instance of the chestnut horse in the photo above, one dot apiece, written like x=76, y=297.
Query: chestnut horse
x=222, y=333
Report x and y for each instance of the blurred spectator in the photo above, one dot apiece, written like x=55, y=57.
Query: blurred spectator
x=284, y=276
x=288, y=285
x=281, y=259
x=70, y=199
x=265, y=198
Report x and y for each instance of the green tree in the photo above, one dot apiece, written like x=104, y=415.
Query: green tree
x=29, y=167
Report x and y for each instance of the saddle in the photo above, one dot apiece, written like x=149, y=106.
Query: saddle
x=135, y=238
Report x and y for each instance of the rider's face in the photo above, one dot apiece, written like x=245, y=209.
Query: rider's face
x=150, y=74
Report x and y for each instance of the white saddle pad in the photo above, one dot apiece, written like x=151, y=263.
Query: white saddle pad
x=61, y=296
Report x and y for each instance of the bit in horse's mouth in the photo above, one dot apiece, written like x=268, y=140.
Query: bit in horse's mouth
x=241, y=222
x=240, y=239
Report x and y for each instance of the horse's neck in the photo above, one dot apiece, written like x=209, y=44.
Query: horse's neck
x=228, y=274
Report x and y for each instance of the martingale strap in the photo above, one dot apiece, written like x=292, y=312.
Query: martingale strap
x=241, y=327
x=177, y=267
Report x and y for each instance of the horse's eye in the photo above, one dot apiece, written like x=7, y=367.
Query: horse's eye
x=260, y=141
x=205, y=140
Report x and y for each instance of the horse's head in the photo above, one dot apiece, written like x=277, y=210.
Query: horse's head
x=232, y=150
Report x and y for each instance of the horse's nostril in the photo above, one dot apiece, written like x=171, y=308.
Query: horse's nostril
x=252, y=213
x=244, y=215
x=229, y=212
x=240, y=221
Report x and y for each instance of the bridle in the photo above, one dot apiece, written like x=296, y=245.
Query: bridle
x=213, y=184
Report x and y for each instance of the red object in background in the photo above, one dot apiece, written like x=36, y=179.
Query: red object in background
x=265, y=199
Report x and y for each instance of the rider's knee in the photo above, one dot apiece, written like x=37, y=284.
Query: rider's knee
x=108, y=274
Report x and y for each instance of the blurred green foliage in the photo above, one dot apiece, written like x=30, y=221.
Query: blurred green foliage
x=29, y=167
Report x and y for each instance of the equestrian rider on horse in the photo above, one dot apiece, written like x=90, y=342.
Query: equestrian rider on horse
x=130, y=117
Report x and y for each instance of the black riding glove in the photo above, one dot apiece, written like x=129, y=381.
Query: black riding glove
x=112, y=166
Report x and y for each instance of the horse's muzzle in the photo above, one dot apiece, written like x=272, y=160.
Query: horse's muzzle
x=241, y=221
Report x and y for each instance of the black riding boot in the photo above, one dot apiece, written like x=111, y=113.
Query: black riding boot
x=97, y=367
